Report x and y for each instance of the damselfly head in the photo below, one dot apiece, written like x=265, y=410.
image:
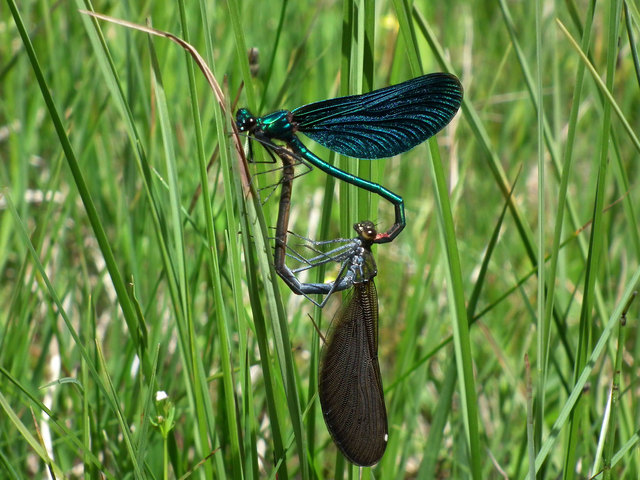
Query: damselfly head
x=245, y=120
x=366, y=230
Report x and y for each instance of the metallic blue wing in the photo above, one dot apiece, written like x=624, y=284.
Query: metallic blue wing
x=384, y=122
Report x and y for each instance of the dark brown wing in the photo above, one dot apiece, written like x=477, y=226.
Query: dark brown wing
x=350, y=386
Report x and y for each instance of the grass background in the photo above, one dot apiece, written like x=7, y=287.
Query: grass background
x=113, y=287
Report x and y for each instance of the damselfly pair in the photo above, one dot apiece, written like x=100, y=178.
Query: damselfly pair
x=378, y=124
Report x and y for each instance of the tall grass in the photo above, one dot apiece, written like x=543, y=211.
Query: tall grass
x=135, y=250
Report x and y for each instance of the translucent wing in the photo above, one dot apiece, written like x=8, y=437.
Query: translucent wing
x=384, y=122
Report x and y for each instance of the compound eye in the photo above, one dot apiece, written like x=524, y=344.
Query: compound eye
x=366, y=229
x=247, y=124
x=245, y=121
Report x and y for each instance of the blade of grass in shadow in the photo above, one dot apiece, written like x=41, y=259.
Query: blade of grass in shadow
x=252, y=469
x=250, y=428
x=255, y=258
x=323, y=232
